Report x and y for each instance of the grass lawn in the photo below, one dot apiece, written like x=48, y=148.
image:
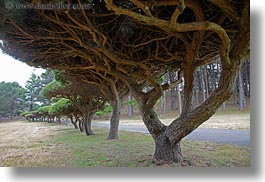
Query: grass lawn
x=67, y=147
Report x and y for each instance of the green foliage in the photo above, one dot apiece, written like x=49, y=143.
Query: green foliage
x=133, y=103
x=50, y=90
x=60, y=107
x=107, y=109
x=19, y=111
x=46, y=78
x=162, y=79
x=33, y=86
x=11, y=98
x=43, y=109
x=25, y=113
x=29, y=114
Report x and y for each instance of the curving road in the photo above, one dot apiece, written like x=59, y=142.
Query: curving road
x=222, y=136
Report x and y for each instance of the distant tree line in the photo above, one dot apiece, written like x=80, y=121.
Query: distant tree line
x=14, y=99
x=206, y=80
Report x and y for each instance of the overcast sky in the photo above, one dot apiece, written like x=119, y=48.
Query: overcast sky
x=14, y=70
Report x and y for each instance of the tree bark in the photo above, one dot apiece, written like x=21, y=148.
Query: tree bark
x=81, y=124
x=115, y=119
x=188, y=88
x=167, y=139
x=87, y=123
x=116, y=112
x=164, y=150
x=184, y=125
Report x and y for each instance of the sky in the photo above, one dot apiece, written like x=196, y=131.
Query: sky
x=13, y=70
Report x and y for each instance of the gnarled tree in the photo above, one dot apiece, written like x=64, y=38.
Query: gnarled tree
x=138, y=41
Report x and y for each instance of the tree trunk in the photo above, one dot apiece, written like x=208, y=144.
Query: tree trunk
x=205, y=82
x=173, y=93
x=213, y=77
x=31, y=106
x=116, y=112
x=115, y=118
x=87, y=123
x=59, y=120
x=164, y=150
x=81, y=124
x=242, y=99
x=74, y=122
x=197, y=88
x=173, y=99
x=130, y=108
x=179, y=99
x=167, y=138
x=184, y=125
x=223, y=107
x=188, y=89
x=163, y=103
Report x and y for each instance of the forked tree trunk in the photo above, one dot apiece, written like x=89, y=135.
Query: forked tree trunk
x=164, y=150
x=167, y=138
x=87, y=123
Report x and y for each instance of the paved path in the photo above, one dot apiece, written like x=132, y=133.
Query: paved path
x=222, y=136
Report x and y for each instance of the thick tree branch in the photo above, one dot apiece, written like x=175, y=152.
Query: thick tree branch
x=183, y=27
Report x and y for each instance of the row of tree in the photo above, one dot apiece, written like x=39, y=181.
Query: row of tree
x=79, y=106
x=15, y=99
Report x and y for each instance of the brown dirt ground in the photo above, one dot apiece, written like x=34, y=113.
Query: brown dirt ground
x=16, y=136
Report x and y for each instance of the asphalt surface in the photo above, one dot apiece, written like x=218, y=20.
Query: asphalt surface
x=220, y=136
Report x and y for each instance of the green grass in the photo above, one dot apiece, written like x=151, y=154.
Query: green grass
x=95, y=150
x=136, y=149
x=71, y=148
